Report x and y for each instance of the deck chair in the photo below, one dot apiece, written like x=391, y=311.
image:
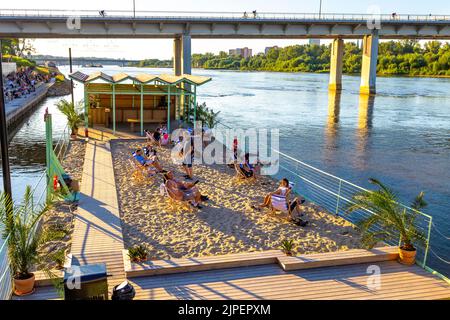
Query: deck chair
x=239, y=174
x=140, y=173
x=282, y=204
x=164, y=191
x=151, y=139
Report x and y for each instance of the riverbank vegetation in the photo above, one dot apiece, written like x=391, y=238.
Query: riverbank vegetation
x=405, y=57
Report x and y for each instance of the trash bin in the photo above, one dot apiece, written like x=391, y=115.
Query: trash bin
x=123, y=291
x=88, y=282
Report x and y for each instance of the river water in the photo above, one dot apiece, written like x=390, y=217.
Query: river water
x=401, y=137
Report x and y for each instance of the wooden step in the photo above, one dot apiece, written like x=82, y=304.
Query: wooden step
x=287, y=263
x=158, y=267
x=339, y=258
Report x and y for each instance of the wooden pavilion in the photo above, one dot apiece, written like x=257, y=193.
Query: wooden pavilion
x=138, y=99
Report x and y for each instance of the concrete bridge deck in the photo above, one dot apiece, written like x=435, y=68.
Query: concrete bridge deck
x=142, y=24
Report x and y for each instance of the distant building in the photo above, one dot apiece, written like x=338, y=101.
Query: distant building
x=266, y=50
x=314, y=41
x=243, y=52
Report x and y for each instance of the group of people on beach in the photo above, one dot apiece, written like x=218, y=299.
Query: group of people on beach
x=187, y=191
x=22, y=82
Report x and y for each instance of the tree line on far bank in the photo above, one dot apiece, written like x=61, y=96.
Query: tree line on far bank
x=405, y=57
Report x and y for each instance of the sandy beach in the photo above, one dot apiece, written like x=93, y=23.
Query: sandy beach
x=226, y=223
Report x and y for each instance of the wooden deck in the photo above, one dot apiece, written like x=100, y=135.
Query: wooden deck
x=271, y=282
x=97, y=238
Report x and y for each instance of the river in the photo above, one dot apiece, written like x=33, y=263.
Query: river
x=401, y=137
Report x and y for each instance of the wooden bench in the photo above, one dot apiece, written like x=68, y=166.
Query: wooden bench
x=287, y=263
x=133, y=121
x=158, y=267
x=339, y=258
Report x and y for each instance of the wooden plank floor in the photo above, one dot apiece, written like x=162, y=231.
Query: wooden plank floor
x=271, y=282
x=97, y=236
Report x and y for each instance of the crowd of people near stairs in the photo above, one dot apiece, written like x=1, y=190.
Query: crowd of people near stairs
x=23, y=82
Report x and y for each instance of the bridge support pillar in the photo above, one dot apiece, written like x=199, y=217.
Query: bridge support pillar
x=369, y=64
x=337, y=52
x=182, y=65
x=182, y=55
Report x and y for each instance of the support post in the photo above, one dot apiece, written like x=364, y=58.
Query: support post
x=168, y=112
x=195, y=105
x=177, y=56
x=142, y=110
x=186, y=54
x=4, y=138
x=71, y=80
x=337, y=52
x=114, y=107
x=86, y=111
x=369, y=64
x=182, y=62
x=48, y=150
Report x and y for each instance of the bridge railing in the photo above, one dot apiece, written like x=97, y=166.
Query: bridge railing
x=222, y=15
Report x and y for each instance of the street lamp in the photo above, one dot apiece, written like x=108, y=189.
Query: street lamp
x=320, y=8
x=4, y=137
x=134, y=9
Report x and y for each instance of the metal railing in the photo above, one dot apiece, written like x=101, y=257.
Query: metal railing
x=38, y=193
x=334, y=194
x=221, y=15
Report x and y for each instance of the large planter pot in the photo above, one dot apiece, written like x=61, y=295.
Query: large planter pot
x=24, y=286
x=407, y=257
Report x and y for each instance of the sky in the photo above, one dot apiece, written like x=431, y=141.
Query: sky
x=162, y=48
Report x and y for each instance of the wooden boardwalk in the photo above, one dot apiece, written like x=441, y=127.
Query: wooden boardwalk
x=97, y=235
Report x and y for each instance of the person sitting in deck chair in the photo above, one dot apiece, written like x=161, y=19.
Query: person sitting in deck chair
x=183, y=191
x=165, y=139
x=147, y=162
x=281, y=196
x=246, y=169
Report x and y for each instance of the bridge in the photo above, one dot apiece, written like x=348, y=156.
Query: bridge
x=84, y=61
x=184, y=26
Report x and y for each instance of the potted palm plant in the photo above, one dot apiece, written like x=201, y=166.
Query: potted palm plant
x=287, y=246
x=389, y=219
x=24, y=236
x=73, y=113
x=138, y=253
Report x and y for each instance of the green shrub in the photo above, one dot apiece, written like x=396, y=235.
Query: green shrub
x=138, y=253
